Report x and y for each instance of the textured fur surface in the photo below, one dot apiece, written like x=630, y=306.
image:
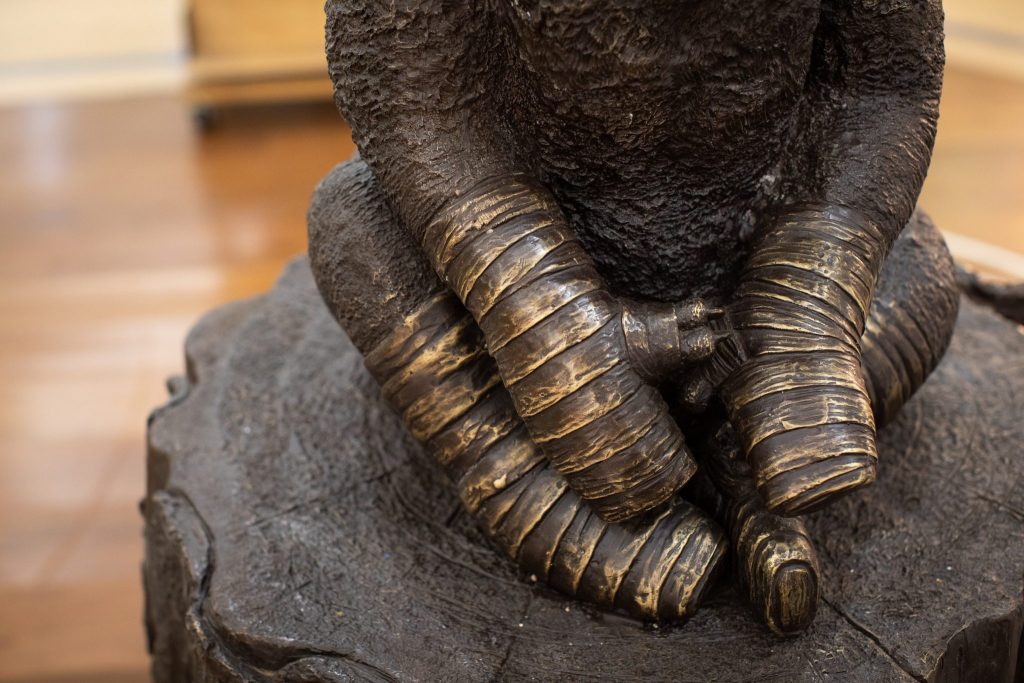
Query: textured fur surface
x=669, y=131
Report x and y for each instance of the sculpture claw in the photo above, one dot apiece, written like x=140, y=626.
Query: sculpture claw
x=696, y=312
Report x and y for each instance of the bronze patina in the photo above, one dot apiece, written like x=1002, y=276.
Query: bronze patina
x=645, y=277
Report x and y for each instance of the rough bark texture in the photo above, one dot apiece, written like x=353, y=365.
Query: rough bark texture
x=295, y=532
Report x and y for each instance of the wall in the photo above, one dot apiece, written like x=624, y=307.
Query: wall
x=987, y=35
x=76, y=48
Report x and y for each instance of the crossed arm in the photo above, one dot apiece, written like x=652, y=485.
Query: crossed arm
x=428, y=129
x=416, y=82
x=799, y=401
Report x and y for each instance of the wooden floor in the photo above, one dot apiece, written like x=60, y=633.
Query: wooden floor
x=119, y=226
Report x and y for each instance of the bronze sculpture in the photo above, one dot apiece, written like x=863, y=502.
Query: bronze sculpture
x=542, y=184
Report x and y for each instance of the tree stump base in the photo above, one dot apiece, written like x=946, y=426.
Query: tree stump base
x=296, y=532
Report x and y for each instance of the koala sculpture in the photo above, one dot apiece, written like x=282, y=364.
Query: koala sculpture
x=634, y=270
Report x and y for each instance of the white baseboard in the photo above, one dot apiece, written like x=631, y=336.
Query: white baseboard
x=85, y=48
x=98, y=79
x=988, y=256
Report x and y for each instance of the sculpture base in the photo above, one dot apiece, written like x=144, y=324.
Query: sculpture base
x=295, y=532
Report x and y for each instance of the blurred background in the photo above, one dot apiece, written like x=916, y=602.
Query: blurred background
x=156, y=160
